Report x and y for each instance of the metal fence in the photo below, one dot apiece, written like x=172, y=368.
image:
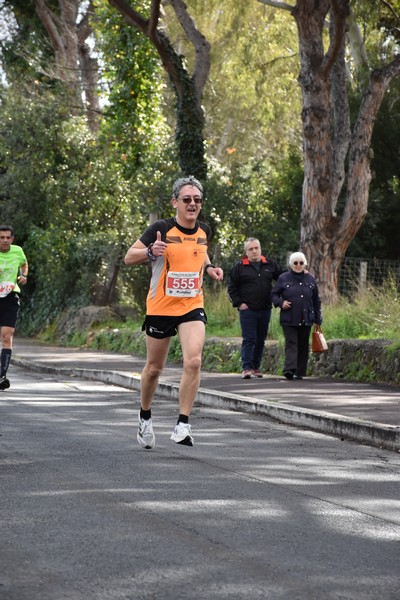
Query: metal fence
x=357, y=274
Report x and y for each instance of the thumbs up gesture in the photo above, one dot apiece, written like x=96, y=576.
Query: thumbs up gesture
x=158, y=247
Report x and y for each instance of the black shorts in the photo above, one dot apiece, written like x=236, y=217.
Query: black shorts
x=162, y=327
x=9, y=307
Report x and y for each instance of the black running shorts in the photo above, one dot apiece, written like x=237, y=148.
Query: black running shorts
x=162, y=327
x=9, y=307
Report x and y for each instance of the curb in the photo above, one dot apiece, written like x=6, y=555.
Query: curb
x=366, y=432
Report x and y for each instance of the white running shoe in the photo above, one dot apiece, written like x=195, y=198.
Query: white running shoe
x=183, y=434
x=145, y=435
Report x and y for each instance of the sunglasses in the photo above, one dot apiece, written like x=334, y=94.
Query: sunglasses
x=188, y=199
x=298, y=263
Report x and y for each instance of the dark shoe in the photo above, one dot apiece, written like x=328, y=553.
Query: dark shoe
x=288, y=374
x=4, y=383
x=297, y=377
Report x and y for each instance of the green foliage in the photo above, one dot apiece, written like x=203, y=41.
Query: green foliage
x=133, y=121
x=222, y=317
x=25, y=52
x=378, y=236
x=28, y=153
x=372, y=315
x=69, y=203
x=258, y=199
x=133, y=125
x=394, y=348
x=69, y=194
x=78, y=201
x=221, y=358
x=355, y=373
x=252, y=99
x=190, y=132
x=379, y=23
x=120, y=340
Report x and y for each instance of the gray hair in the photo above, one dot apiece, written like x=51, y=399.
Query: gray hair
x=251, y=239
x=180, y=183
x=297, y=256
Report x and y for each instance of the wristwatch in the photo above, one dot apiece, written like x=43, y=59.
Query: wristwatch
x=149, y=252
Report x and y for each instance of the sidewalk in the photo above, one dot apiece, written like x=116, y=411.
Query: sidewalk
x=355, y=411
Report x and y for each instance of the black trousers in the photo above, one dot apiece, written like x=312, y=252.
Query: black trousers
x=296, y=348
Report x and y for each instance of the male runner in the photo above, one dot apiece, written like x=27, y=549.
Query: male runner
x=177, y=251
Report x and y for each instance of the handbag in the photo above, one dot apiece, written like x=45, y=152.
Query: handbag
x=318, y=342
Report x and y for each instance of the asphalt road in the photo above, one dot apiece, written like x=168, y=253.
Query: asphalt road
x=354, y=411
x=255, y=509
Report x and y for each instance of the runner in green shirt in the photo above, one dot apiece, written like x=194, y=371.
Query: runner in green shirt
x=13, y=273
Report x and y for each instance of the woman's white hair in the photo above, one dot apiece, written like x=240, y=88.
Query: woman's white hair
x=299, y=256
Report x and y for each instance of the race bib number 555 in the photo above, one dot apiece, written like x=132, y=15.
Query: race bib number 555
x=182, y=284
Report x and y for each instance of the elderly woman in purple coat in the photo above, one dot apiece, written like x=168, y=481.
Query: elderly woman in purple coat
x=296, y=293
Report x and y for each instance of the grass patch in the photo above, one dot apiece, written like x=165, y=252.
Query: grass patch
x=373, y=314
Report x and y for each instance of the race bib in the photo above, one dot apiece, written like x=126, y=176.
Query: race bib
x=183, y=284
x=6, y=288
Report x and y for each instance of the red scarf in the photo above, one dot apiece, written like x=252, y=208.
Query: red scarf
x=245, y=260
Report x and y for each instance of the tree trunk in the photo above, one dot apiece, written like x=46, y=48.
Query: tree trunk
x=90, y=76
x=329, y=143
x=89, y=70
x=326, y=135
x=61, y=29
x=73, y=64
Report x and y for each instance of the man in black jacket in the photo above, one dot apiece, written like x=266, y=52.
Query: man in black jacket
x=249, y=290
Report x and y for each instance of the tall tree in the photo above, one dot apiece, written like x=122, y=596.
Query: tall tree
x=253, y=55
x=132, y=82
x=58, y=180
x=68, y=29
x=337, y=153
x=50, y=41
x=188, y=87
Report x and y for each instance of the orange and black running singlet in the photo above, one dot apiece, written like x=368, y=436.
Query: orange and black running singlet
x=177, y=276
